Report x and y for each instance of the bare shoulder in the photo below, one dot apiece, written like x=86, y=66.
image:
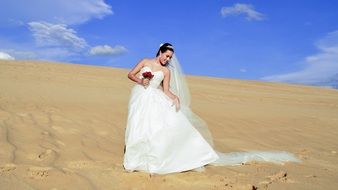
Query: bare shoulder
x=140, y=65
x=166, y=71
x=146, y=61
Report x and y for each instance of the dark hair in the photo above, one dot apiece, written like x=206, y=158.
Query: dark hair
x=164, y=48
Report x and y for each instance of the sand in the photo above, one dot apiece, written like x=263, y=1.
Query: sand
x=62, y=127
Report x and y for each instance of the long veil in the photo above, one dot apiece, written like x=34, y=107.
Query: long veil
x=178, y=86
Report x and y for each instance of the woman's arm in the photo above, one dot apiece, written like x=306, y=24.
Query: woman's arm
x=167, y=91
x=135, y=70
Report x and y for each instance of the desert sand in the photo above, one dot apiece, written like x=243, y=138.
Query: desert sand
x=62, y=127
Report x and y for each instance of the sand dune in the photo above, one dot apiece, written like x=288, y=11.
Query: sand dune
x=62, y=127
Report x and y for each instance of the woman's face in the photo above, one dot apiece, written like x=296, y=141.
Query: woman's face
x=165, y=57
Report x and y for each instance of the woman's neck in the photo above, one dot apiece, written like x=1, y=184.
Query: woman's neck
x=158, y=62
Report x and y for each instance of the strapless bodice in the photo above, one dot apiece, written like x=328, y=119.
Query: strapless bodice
x=156, y=80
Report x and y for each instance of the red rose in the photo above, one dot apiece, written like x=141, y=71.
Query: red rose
x=147, y=75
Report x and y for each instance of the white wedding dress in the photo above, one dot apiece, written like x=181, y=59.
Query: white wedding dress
x=161, y=140
x=158, y=138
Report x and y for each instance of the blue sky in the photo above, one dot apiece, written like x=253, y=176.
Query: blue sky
x=284, y=41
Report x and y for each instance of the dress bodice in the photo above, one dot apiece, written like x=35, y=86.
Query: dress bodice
x=156, y=80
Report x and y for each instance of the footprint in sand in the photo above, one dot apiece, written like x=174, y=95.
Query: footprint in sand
x=38, y=172
x=80, y=164
x=7, y=168
x=311, y=176
x=63, y=130
x=48, y=155
x=304, y=154
x=46, y=133
x=278, y=177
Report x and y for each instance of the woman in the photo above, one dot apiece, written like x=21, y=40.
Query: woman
x=162, y=134
x=159, y=138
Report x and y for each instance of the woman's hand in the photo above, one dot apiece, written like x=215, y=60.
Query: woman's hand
x=145, y=82
x=177, y=103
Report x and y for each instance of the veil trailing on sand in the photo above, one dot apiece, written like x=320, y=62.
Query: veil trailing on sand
x=178, y=86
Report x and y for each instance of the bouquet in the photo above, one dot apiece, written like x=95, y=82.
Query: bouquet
x=147, y=75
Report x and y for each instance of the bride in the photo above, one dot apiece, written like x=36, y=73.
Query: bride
x=163, y=135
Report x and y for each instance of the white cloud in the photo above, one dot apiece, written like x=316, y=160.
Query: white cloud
x=246, y=9
x=107, y=50
x=19, y=54
x=60, y=11
x=51, y=24
x=243, y=70
x=56, y=35
x=318, y=67
x=52, y=54
x=6, y=56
